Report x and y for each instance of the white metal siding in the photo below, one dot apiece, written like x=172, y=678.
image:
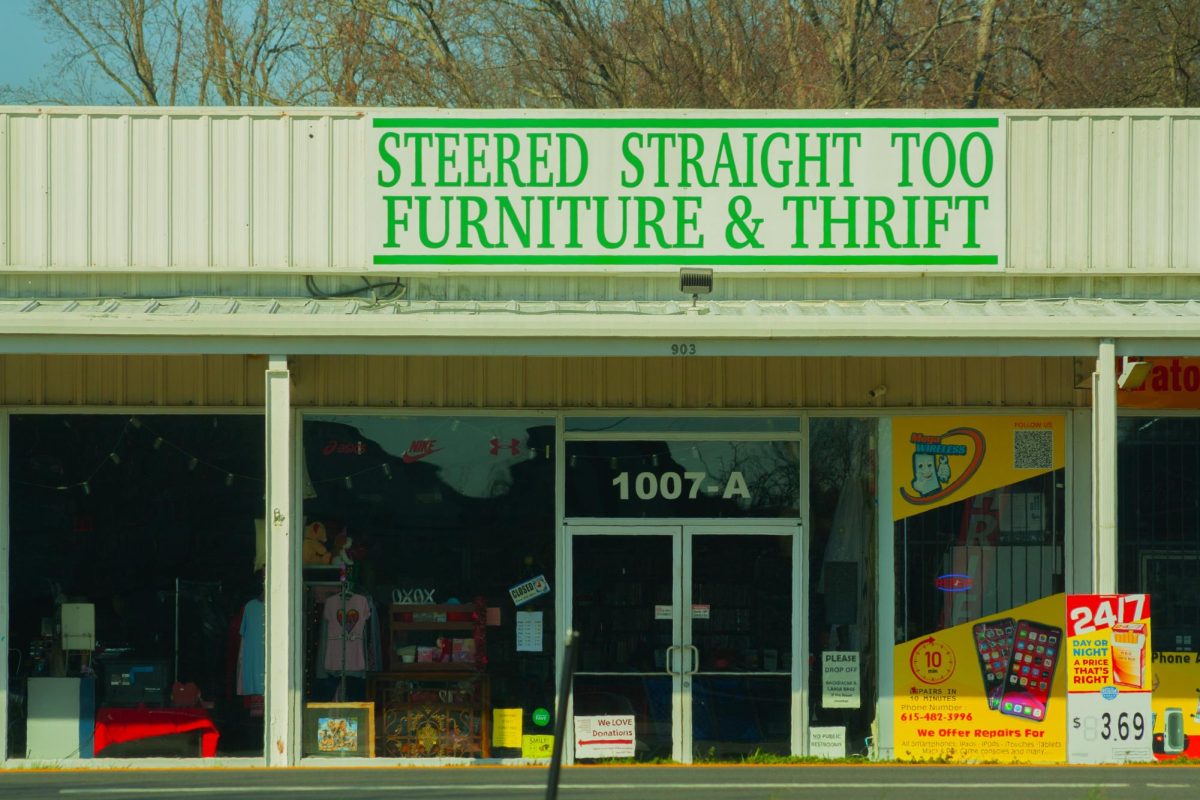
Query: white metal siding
x=214, y=189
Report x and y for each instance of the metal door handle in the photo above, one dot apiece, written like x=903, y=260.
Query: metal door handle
x=695, y=659
x=670, y=650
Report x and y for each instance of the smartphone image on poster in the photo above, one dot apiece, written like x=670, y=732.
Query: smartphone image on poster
x=993, y=647
x=1035, y=653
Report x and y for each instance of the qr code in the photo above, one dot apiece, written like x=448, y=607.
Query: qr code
x=1033, y=449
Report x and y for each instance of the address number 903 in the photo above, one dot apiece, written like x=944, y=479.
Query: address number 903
x=683, y=349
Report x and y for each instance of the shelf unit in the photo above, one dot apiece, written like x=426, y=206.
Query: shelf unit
x=436, y=708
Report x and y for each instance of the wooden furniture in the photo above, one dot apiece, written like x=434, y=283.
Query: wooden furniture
x=435, y=699
x=436, y=713
x=416, y=629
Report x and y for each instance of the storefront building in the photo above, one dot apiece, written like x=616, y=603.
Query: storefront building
x=320, y=427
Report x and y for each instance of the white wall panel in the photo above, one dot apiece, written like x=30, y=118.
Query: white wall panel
x=1029, y=195
x=1185, y=190
x=1150, y=193
x=270, y=186
x=271, y=190
x=149, y=207
x=231, y=177
x=311, y=209
x=27, y=189
x=1110, y=193
x=5, y=200
x=110, y=191
x=1069, y=203
x=190, y=192
x=69, y=182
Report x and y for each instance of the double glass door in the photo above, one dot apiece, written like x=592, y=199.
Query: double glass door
x=693, y=631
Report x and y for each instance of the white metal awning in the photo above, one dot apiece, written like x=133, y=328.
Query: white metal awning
x=1043, y=327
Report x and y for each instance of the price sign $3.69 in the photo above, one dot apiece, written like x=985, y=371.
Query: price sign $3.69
x=1121, y=727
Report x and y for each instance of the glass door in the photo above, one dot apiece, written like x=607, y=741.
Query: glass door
x=739, y=637
x=692, y=633
x=626, y=596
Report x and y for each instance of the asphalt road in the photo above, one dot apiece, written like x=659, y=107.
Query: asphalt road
x=617, y=783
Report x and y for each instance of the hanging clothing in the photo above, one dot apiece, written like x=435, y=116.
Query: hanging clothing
x=345, y=618
x=252, y=658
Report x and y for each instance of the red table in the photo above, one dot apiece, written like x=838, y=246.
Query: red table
x=116, y=725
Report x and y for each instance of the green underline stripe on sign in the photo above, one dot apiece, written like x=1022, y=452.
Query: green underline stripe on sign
x=683, y=122
x=688, y=260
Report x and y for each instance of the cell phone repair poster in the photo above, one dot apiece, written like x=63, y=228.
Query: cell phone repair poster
x=987, y=690
x=1109, y=681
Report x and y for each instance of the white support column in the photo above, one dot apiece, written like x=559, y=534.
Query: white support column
x=5, y=639
x=282, y=747
x=1104, y=469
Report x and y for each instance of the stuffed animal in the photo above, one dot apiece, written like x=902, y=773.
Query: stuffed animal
x=315, y=551
x=341, y=549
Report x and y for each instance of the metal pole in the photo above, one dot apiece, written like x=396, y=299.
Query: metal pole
x=560, y=709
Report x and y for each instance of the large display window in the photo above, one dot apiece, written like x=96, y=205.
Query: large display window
x=136, y=609
x=1158, y=525
x=1158, y=552
x=428, y=586
x=843, y=555
x=979, y=505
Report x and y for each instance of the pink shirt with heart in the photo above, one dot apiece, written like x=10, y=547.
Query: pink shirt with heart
x=348, y=625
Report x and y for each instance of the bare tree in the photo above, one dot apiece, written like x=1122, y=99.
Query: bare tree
x=628, y=53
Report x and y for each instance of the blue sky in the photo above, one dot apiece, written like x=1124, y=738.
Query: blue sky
x=24, y=51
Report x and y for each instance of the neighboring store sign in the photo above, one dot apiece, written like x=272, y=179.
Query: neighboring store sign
x=791, y=191
x=970, y=692
x=1172, y=383
x=1109, y=679
x=941, y=460
x=604, y=737
x=840, y=680
x=1064, y=678
x=1176, y=705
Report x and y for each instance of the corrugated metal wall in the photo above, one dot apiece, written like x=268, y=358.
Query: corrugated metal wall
x=221, y=190
x=501, y=383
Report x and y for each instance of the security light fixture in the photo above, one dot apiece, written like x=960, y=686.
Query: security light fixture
x=1133, y=373
x=695, y=281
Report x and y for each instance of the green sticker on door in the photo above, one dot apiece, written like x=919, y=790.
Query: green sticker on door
x=541, y=717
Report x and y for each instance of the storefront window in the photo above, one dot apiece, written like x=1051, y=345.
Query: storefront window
x=1158, y=473
x=979, y=510
x=428, y=581
x=136, y=604
x=842, y=548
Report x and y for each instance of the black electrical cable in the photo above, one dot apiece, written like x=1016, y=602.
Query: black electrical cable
x=395, y=290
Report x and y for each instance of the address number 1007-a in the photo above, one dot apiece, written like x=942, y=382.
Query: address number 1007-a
x=670, y=485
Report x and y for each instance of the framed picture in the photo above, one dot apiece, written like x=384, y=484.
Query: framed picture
x=339, y=730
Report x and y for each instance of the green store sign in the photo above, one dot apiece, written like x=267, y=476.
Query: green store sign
x=778, y=192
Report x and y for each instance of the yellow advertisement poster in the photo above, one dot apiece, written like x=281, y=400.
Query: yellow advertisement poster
x=941, y=460
x=1176, y=705
x=1109, y=678
x=987, y=690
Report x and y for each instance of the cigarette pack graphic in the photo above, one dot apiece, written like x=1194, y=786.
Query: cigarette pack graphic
x=1129, y=654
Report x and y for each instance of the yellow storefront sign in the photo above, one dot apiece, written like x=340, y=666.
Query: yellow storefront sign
x=988, y=690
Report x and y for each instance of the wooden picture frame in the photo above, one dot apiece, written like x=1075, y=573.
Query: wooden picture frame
x=339, y=730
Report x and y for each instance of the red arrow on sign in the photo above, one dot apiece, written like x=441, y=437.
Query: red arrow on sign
x=605, y=741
